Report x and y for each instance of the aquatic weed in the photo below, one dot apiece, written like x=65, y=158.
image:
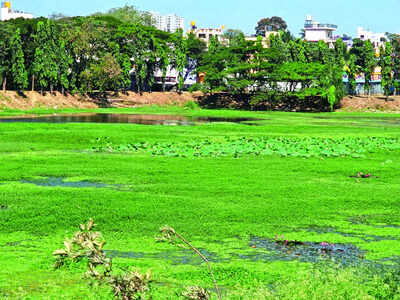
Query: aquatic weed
x=355, y=147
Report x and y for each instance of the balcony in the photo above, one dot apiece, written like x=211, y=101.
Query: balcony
x=320, y=26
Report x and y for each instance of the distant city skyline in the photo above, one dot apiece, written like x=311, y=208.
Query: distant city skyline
x=243, y=15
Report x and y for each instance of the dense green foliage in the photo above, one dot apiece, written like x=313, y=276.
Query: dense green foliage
x=274, y=23
x=285, y=69
x=218, y=202
x=101, y=52
x=121, y=50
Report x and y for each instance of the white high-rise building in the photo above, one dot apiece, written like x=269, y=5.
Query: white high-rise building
x=8, y=14
x=170, y=23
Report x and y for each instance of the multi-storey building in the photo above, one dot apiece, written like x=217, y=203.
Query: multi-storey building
x=315, y=31
x=7, y=13
x=377, y=39
x=169, y=23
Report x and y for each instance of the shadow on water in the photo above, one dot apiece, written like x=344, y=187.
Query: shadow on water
x=60, y=182
x=166, y=120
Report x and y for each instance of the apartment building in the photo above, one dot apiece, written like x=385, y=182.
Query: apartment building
x=169, y=23
x=7, y=13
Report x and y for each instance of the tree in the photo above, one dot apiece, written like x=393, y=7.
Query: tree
x=180, y=57
x=358, y=50
x=369, y=62
x=5, y=54
x=385, y=62
x=233, y=35
x=395, y=42
x=46, y=64
x=279, y=50
x=129, y=14
x=18, y=71
x=352, y=71
x=65, y=63
x=270, y=24
x=213, y=64
x=105, y=74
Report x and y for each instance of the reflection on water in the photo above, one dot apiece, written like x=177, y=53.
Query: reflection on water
x=171, y=120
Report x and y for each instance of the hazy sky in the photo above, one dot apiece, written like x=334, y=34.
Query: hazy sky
x=378, y=16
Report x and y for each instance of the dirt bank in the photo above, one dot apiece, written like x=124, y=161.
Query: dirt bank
x=373, y=104
x=31, y=100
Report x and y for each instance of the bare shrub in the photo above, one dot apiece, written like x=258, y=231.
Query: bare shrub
x=168, y=234
x=130, y=285
x=196, y=293
x=88, y=244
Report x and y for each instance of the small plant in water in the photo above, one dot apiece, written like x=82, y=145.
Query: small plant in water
x=280, y=239
x=168, y=234
x=196, y=293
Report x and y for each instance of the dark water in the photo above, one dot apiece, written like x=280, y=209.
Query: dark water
x=184, y=256
x=60, y=182
x=344, y=254
x=171, y=120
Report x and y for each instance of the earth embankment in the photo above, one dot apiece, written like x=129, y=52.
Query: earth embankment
x=32, y=100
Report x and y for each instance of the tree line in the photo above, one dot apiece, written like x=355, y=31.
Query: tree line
x=87, y=54
x=294, y=68
x=109, y=51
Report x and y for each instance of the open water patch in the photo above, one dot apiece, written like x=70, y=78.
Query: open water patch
x=184, y=256
x=61, y=182
x=362, y=236
x=141, y=119
x=343, y=254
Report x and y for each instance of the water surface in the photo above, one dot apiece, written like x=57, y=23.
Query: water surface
x=170, y=120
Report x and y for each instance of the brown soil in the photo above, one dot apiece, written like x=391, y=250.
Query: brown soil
x=372, y=104
x=31, y=100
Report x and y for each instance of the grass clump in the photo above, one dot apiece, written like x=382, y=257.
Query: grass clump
x=191, y=105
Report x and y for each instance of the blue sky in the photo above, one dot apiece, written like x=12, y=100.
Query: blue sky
x=378, y=16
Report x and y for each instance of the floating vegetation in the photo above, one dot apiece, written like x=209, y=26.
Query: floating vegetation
x=355, y=147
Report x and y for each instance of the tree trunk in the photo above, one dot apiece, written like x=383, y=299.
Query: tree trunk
x=51, y=89
x=33, y=83
x=4, y=84
x=163, y=85
x=62, y=90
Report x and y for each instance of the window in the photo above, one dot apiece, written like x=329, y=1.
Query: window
x=202, y=36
